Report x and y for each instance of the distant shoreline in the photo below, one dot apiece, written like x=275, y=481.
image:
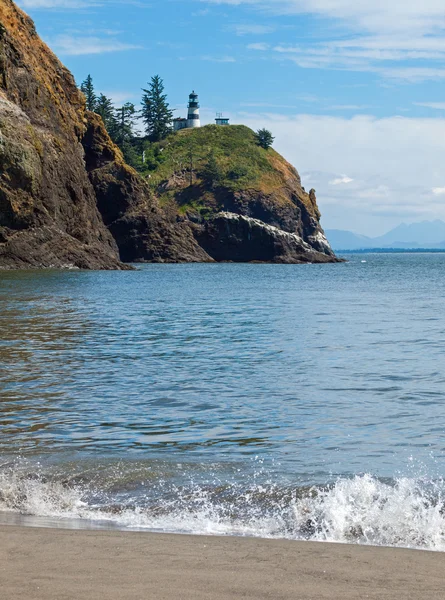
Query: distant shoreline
x=49, y=564
x=391, y=251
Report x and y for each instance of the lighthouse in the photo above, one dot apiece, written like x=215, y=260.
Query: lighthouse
x=193, y=113
x=192, y=119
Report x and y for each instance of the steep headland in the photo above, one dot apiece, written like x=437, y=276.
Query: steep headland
x=245, y=203
x=67, y=198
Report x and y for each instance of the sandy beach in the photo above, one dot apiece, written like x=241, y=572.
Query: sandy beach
x=50, y=564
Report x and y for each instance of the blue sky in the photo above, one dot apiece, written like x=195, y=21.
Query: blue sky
x=352, y=89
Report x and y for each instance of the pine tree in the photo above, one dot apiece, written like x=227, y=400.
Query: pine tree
x=87, y=88
x=264, y=138
x=124, y=135
x=105, y=108
x=156, y=112
x=125, y=118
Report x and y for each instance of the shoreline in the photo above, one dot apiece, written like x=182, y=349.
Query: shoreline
x=63, y=564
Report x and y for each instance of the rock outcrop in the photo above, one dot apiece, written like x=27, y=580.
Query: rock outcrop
x=234, y=237
x=48, y=212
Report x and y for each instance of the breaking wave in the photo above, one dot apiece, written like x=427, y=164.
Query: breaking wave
x=363, y=509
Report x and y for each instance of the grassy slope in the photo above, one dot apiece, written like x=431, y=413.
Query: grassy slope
x=244, y=164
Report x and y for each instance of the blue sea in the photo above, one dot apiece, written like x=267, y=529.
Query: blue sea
x=281, y=401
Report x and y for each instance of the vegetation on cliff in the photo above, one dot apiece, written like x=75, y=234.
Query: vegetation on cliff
x=143, y=149
x=199, y=172
x=200, y=169
x=121, y=122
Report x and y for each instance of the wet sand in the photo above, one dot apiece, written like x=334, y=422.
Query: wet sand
x=54, y=564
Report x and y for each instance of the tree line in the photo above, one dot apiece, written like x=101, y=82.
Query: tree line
x=139, y=147
x=122, y=122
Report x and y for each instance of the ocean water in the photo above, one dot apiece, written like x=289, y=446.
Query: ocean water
x=281, y=401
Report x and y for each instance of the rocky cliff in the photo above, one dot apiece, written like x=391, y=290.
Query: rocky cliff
x=48, y=213
x=67, y=198
x=129, y=209
x=244, y=203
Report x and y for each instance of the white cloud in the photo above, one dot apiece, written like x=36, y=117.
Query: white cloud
x=341, y=180
x=435, y=105
x=77, y=46
x=414, y=74
x=377, y=193
x=201, y=13
x=219, y=59
x=258, y=46
x=268, y=105
x=119, y=97
x=352, y=57
x=374, y=35
x=395, y=166
x=251, y=29
x=349, y=107
x=371, y=15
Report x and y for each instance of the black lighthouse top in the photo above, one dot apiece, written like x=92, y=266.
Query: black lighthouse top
x=193, y=100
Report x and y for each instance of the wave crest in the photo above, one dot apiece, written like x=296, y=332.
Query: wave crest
x=363, y=509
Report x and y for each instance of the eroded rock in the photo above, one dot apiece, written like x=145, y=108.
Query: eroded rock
x=48, y=212
x=237, y=238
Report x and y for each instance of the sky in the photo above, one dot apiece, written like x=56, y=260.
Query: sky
x=353, y=90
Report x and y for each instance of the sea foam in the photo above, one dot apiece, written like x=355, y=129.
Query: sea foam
x=362, y=509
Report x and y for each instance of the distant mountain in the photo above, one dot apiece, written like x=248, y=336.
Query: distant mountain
x=347, y=240
x=426, y=234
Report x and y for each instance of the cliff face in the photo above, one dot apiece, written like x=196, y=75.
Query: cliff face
x=67, y=199
x=142, y=230
x=237, y=238
x=48, y=213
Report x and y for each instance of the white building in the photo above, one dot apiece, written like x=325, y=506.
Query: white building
x=179, y=123
x=192, y=119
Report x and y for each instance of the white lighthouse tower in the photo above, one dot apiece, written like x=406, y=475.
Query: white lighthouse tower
x=193, y=114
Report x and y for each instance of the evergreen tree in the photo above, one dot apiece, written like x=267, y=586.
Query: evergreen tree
x=264, y=138
x=87, y=88
x=156, y=112
x=124, y=136
x=125, y=118
x=105, y=108
x=212, y=173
